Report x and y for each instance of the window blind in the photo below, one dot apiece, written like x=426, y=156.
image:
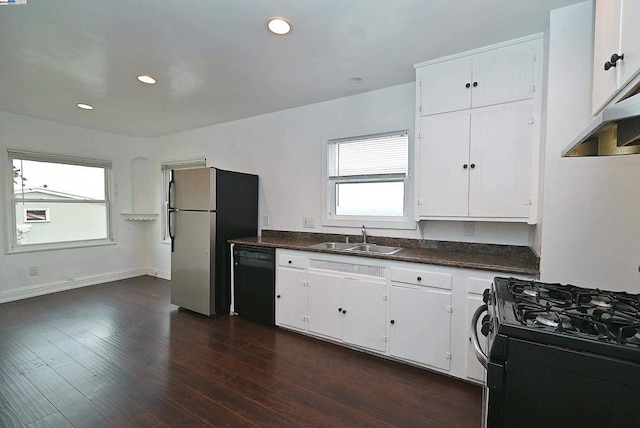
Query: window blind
x=371, y=155
x=184, y=163
x=68, y=160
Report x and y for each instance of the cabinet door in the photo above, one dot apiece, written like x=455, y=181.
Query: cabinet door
x=325, y=305
x=500, y=162
x=443, y=86
x=291, y=298
x=606, y=43
x=503, y=75
x=364, y=319
x=420, y=325
x=629, y=41
x=444, y=152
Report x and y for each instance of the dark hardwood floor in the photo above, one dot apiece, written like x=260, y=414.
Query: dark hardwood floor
x=120, y=355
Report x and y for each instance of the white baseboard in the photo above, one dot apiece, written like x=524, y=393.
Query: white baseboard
x=162, y=274
x=68, y=284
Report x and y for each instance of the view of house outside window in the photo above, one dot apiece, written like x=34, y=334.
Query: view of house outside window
x=57, y=202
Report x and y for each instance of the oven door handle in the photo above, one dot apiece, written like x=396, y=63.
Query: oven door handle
x=480, y=355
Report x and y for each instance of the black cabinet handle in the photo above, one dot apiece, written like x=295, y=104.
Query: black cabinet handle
x=486, y=296
x=612, y=62
x=465, y=166
x=289, y=261
x=475, y=84
x=339, y=309
x=473, y=165
x=393, y=321
x=468, y=85
x=278, y=296
x=419, y=278
x=344, y=311
x=485, y=329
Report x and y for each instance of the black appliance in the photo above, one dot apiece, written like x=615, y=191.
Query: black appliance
x=254, y=283
x=559, y=355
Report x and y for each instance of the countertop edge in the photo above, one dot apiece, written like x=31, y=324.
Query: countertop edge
x=441, y=261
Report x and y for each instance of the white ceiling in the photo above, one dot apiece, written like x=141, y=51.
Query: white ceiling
x=215, y=61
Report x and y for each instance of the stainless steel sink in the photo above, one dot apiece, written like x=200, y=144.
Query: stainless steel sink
x=373, y=248
x=333, y=246
x=356, y=248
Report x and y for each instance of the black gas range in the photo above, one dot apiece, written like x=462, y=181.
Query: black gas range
x=560, y=355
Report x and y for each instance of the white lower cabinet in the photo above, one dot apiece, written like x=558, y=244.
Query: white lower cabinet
x=411, y=312
x=363, y=303
x=336, y=301
x=420, y=317
x=291, y=293
x=325, y=305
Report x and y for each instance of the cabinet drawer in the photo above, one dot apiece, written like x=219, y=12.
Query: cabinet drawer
x=292, y=261
x=422, y=277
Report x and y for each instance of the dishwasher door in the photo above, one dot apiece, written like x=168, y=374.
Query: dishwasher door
x=255, y=283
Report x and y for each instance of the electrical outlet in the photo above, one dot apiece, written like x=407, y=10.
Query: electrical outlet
x=33, y=271
x=309, y=222
x=468, y=228
x=266, y=221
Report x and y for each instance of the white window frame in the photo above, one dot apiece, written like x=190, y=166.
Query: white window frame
x=328, y=188
x=165, y=170
x=11, y=222
x=47, y=216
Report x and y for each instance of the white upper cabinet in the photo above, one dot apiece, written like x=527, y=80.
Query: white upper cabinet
x=500, y=161
x=444, y=152
x=487, y=78
x=445, y=86
x=478, y=158
x=476, y=164
x=616, y=49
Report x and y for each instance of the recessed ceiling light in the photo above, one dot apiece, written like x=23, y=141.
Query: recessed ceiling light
x=85, y=106
x=147, y=79
x=278, y=25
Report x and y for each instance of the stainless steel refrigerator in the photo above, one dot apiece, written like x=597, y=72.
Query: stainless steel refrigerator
x=207, y=207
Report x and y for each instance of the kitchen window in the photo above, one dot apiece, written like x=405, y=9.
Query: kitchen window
x=166, y=167
x=367, y=180
x=58, y=201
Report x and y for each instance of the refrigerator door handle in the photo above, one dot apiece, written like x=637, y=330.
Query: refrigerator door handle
x=170, y=211
x=171, y=234
x=170, y=197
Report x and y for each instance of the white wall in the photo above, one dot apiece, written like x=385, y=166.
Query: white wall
x=591, y=233
x=60, y=269
x=285, y=150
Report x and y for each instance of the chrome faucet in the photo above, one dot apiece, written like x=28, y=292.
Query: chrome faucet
x=364, y=234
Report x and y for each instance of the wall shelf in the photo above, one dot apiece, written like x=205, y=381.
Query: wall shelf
x=139, y=216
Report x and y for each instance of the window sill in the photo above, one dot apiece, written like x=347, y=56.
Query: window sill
x=60, y=246
x=371, y=222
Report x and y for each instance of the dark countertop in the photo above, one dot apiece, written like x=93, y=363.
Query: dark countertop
x=500, y=258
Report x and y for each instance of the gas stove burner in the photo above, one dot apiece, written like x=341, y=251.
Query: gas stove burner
x=545, y=320
x=552, y=319
x=600, y=301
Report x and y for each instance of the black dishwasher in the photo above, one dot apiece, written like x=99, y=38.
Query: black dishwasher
x=254, y=283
